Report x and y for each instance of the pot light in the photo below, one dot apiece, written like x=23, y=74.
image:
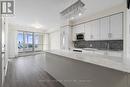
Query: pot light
x=37, y=25
x=80, y=14
x=72, y=18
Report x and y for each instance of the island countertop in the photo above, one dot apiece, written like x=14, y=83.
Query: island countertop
x=120, y=64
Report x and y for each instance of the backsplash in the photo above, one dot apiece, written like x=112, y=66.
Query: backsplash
x=115, y=45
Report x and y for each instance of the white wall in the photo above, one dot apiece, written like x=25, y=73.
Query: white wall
x=54, y=40
x=12, y=42
x=0, y=50
x=3, y=48
x=6, y=45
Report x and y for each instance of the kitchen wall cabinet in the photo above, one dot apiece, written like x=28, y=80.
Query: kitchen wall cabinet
x=76, y=30
x=116, y=26
x=95, y=32
x=88, y=31
x=92, y=30
x=112, y=27
x=106, y=28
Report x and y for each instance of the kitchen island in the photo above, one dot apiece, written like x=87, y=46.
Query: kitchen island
x=75, y=69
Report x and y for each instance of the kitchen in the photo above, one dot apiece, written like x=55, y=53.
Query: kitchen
x=96, y=50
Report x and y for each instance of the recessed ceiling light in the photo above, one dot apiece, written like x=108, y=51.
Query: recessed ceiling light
x=80, y=14
x=72, y=18
x=37, y=25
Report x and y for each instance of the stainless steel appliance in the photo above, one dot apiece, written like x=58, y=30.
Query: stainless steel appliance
x=80, y=36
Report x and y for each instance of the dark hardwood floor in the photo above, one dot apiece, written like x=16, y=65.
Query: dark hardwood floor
x=29, y=72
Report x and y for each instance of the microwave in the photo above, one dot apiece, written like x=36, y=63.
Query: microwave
x=80, y=36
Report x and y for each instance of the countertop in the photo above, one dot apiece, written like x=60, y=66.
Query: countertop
x=116, y=63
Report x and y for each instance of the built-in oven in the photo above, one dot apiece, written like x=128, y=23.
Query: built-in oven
x=80, y=36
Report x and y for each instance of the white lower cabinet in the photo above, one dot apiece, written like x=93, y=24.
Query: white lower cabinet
x=106, y=53
x=90, y=52
x=115, y=53
x=100, y=52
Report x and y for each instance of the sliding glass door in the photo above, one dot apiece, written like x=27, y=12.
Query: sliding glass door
x=30, y=41
x=20, y=41
x=28, y=45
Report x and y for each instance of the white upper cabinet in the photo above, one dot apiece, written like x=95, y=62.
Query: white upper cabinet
x=95, y=32
x=92, y=30
x=107, y=28
x=104, y=28
x=88, y=30
x=116, y=26
x=76, y=30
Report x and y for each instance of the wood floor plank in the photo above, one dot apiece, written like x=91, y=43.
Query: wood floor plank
x=29, y=72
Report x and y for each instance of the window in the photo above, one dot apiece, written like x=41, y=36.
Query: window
x=29, y=41
x=38, y=42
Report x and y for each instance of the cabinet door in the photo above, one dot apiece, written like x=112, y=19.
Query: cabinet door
x=79, y=28
x=76, y=30
x=95, y=30
x=88, y=29
x=115, y=54
x=116, y=26
x=104, y=28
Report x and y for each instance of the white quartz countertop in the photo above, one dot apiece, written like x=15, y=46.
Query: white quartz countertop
x=116, y=63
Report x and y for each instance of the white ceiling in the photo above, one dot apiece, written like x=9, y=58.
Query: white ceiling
x=46, y=12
